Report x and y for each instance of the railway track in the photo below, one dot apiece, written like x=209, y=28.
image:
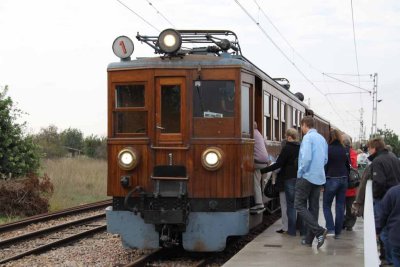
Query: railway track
x=44, y=239
x=166, y=257
x=54, y=215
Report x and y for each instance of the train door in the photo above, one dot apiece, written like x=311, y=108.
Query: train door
x=169, y=116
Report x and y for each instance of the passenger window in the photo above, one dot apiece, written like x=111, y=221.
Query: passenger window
x=129, y=113
x=276, y=118
x=245, y=115
x=283, y=119
x=213, y=99
x=267, y=116
x=129, y=96
x=294, y=118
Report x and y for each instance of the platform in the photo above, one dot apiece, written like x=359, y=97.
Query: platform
x=281, y=250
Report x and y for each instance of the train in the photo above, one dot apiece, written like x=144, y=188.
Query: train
x=180, y=138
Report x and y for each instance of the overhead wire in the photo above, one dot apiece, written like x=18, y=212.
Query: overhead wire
x=148, y=23
x=283, y=37
x=354, y=38
x=355, y=48
x=292, y=62
x=297, y=53
x=366, y=90
x=159, y=13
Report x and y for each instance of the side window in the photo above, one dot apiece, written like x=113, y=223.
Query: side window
x=283, y=119
x=275, y=107
x=129, y=112
x=245, y=112
x=267, y=116
x=294, y=118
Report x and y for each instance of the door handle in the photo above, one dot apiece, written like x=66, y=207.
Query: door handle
x=159, y=127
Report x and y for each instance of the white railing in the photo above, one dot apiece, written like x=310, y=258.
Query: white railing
x=370, y=248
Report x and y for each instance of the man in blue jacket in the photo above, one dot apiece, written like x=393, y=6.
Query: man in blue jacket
x=390, y=217
x=310, y=177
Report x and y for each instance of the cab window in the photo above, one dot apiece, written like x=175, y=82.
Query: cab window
x=130, y=113
x=213, y=99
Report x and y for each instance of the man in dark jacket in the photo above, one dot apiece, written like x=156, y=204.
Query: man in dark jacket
x=385, y=169
x=390, y=217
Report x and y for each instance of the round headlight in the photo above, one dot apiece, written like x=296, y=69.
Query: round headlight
x=212, y=158
x=128, y=158
x=169, y=41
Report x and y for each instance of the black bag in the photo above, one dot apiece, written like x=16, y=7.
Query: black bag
x=271, y=190
x=354, y=178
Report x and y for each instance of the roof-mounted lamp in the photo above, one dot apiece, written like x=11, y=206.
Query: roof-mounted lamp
x=169, y=41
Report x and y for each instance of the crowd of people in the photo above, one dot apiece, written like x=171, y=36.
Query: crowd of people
x=313, y=166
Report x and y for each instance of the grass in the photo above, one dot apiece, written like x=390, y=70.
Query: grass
x=76, y=181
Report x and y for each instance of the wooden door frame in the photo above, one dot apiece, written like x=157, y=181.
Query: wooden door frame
x=170, y=138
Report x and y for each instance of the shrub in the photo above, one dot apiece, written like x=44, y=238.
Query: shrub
x=19, y=156
x=25, y=196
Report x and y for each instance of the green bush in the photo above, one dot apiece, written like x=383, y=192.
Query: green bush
x=19, y=155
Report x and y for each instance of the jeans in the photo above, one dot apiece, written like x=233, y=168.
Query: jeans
x=290, y=185
x=335, y=188
x=306, y=191
x=384, y=233
x=282, y=200
x=396, y=255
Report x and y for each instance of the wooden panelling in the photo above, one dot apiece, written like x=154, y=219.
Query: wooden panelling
x=213, y=127
x=139, y=175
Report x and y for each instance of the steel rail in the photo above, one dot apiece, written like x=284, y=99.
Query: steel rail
x=142, y=261
x=51, y=245
x=53, y=215
x=51, y=229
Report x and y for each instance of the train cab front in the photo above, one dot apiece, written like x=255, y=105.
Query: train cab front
x=179, y=148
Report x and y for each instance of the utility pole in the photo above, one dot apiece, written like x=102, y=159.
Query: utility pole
x=362, y=133
x=374, y=106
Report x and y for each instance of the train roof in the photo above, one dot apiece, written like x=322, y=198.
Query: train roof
x=194, y=61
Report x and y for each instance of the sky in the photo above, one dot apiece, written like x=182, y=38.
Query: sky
x=54, y=54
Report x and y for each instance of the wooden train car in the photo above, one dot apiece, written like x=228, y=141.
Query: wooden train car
x=180, y=139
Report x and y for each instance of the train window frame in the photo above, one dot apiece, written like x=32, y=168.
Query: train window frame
x=229, y=96
x=276, y=116
x=283, y=119
x=120, y=111
x=267, y=116
x=249, y=127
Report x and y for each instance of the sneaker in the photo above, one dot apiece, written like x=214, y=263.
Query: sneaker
x=330, y=233
x=305, y=243
x=349, y=228
x=280, y=231
x=321, y=238
x=337, y=237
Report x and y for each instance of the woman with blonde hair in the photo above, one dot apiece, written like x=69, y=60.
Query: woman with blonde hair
x=336, y=171
x=287, y=162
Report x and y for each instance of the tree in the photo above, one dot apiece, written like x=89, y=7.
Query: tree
x=49, y=141
x=391, y=138
x=19, y=155
x=72, y=139
x=95, y=147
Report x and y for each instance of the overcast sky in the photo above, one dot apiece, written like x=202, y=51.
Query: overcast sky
x=54, y=54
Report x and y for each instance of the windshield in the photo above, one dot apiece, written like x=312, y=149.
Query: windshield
x=213, y=99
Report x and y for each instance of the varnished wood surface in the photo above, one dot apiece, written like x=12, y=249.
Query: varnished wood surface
x=233, y=179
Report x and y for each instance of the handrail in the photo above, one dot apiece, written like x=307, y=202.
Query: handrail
x=371, y=257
